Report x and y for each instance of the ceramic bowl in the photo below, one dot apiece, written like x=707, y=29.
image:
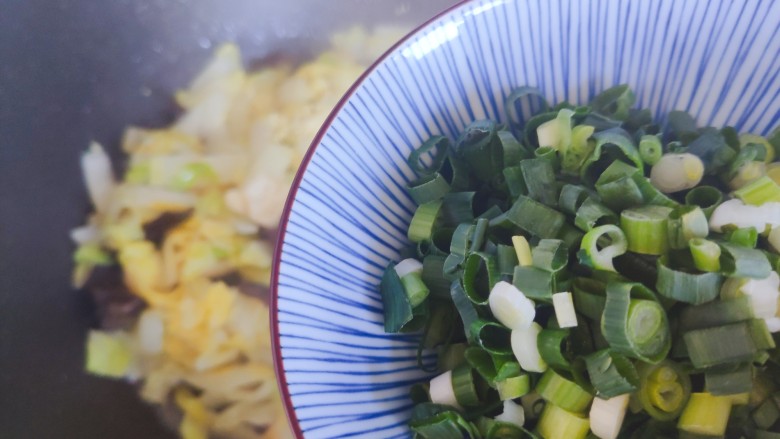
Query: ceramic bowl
x=348, y=212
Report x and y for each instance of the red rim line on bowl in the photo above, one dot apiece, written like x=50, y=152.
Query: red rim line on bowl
x=276, y=347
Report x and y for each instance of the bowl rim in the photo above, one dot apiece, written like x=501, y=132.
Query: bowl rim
x=276, y=348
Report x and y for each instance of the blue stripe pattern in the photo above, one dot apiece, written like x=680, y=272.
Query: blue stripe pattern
x=720, y=60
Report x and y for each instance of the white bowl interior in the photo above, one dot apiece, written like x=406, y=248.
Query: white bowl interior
x=345, y=377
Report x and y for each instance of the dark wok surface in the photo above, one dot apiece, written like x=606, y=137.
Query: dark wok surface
x=72, y=71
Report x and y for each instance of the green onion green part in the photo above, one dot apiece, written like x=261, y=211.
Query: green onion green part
x=563, y=393
x=664, y=389
x=706, y=254
x=634, y=323
x=645, y=228
x=693, y=288
x=611, y=374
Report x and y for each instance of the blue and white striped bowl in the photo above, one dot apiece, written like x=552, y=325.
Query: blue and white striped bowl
x=348, y=212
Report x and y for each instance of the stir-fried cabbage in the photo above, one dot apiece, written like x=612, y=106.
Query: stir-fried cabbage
x=220, y=175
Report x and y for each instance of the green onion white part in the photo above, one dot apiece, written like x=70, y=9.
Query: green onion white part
x=510, y=306
x=408, y=266
x=764, y=294
x=523, y=250
x=441, y=390
x=556, y=133
x=676, y=172
x=525, y=349
x=735, y=212
x=564, y=310
x=513, y=413
x=606, y=416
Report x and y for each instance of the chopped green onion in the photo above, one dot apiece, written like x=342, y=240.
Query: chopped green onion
x=571, y=236
x=424, y=221
x=539, y=178
x=686, y=223
x=513, y=387
x=397, y=307
x=737, y=261
x=480, y=275
x=525, y=349
x=634, y=323
x=550, y=255
x=709, y=347
x=433, y=276
x=712, y=149
x=591, y=213
x=437, y=147
x=745, y=237
x=463, y=386
x=645, y=228
x=563, y=393
x=535, y=283
x=535, y=218
x=415, y=288
x=557, y=423
x=428, y=188
x=479, y=146
x=457, y=208
x=442, y=390
x=581, y=147
x=511, y=307
x=737, y=379
x=589, y=297
x=571, y=198
x=705, y=414
x=554, y=348
x=760, y=334
x=763, y=294
x=617, y=187
x=650, y=149
x=447, y=424
x=706, y=197
x=512, y=414
x=513, y=176
x=694, y=288
x=611, y=374
x=716, y=313
x=760, y=191
x=614, y=102
x=677, y=172
x=601, y=259
x=664, y=389
x=706, y=254
x=466, y=310
x=506, y=258
x=768, y=152
x=491, y=336
x=606, y=416
x=514, y=151
x=564, y=310
x=523, y=250
x=610, y=146
x=481, y=361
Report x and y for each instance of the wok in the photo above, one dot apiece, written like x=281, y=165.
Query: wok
x=76, y=70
